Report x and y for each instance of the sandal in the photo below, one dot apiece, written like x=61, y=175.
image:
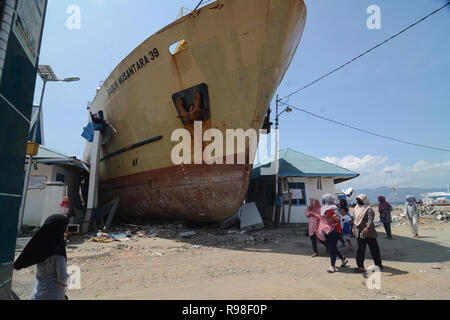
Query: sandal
x=331, y=270
x=344, y=262
x=314, y=255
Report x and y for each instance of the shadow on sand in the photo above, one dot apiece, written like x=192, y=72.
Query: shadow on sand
x=292, y=240
x=400, y=249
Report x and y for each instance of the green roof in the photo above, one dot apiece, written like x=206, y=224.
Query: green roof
x=297, y=164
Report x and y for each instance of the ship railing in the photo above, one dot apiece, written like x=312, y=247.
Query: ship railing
x=184, y=11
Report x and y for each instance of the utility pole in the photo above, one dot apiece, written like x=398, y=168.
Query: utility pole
x=46, y=73
x=394, y=194
x=275, y=211
x=389, y=172
x=30, y=161
x=277, y=167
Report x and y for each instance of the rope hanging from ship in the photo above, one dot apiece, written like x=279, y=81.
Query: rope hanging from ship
x=199, y=4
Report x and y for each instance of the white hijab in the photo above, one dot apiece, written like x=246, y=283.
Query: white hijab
x=328, y=204
x=360, y=211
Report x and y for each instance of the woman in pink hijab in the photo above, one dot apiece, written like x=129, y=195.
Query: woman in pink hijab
x=330, y=224
x=313, y=214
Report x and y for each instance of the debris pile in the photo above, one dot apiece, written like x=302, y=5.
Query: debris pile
x=204, y=236
x=428, y=214
x=441, y=214
x=128, y=235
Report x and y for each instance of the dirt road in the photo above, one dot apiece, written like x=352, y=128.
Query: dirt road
x=272, y=264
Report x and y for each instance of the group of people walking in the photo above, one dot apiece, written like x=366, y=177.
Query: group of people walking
x=330, y=222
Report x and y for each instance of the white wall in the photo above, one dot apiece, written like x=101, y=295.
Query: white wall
x=35, y=197
x=298, y=212
x=34, y=204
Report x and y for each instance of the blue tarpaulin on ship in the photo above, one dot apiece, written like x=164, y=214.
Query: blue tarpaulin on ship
x=88, y=132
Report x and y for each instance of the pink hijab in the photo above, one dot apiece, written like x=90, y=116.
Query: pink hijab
x=313, y=213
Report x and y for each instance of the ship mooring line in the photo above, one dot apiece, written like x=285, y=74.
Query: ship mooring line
x=15, y=109
x=365, y=53
x=199, y=4
x=365, y=131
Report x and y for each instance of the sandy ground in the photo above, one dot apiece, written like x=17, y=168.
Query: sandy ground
x=271, y=264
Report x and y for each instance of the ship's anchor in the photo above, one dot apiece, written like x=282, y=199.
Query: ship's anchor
x=195, y=112
x=193, y=105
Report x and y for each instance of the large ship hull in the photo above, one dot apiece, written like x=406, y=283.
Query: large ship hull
x=239, y=50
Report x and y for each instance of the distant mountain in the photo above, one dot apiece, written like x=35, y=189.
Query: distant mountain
x=397, y=196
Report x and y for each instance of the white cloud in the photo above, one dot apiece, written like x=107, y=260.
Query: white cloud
x=373, y=169
x=358, y=164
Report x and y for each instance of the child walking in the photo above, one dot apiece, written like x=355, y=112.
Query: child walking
x=346, y=223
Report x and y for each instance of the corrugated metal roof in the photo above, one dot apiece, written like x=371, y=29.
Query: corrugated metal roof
x=297, y=164
x=50, y=156
x=46, y=152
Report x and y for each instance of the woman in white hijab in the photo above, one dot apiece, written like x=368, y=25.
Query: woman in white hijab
x=365, y=233
x=412, y=213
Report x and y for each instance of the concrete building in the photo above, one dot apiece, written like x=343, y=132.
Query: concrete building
x=21, y=26
x=303, y=176
x=51, y=166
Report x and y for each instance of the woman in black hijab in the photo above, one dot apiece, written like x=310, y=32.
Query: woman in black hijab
x=47, y=250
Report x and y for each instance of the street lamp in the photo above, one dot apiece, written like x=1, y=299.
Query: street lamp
x=47, y=75
x=277, y=124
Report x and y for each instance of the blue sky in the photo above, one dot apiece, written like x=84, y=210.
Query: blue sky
x=401, y=90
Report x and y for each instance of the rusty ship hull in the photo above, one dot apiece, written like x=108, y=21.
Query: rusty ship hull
x=231, y=57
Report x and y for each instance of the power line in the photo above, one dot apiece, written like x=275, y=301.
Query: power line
x=365, y=131
x=366, y=52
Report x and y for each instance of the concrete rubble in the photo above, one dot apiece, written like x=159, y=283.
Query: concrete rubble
x=428, y=214
x=203, y=236
x=233, y=237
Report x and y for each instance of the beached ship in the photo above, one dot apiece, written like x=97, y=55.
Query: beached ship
x=230, y=56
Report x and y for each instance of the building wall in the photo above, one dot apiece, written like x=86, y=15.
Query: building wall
x=35, y=197
x=17, y=84
x=260, y=194
x=6, y=21
x=312, y=191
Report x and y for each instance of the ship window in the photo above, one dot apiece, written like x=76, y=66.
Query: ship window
x=178, y=47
